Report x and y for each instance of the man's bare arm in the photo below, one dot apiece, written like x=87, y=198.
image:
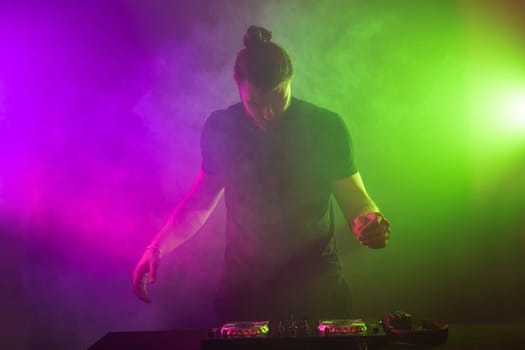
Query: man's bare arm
x=360, y=211
x=187, y=218
x=190, y=214
x=351, y=195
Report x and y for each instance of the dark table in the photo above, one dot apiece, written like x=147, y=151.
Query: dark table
x=461, y=336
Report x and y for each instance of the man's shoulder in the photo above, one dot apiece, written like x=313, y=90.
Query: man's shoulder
x=224, y=121
x=316, y=113
x=303, y=106
x=228, y=112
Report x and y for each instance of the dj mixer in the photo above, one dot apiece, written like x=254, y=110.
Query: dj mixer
x=326, y=334
x=295, y=334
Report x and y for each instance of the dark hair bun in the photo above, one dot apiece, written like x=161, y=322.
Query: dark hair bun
x=255, y=36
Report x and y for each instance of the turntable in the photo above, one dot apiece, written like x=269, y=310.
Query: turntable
x=245, y=329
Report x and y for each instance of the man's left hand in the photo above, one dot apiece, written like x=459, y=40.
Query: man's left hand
x=372, y=230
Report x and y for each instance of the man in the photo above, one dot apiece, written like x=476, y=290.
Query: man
x=279, y=161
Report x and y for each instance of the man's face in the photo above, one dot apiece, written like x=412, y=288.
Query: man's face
x=265, y=107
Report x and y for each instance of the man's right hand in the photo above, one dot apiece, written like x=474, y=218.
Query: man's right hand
x=146, y=272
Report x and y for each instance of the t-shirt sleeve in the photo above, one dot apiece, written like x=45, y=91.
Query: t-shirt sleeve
x=341, y=152
x=209, y=147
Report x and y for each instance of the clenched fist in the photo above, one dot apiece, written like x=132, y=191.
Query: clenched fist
x=372, y=230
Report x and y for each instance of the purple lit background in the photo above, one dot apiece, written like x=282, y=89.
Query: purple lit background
x=101, y=108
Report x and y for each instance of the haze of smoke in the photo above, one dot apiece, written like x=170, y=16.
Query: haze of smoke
x=100, y=139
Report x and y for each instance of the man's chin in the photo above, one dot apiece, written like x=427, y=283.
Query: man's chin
x=263, y=126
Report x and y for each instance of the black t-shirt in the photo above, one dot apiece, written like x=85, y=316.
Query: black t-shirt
x=277, y=187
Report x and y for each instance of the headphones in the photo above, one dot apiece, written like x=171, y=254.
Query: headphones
x=398, y=325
